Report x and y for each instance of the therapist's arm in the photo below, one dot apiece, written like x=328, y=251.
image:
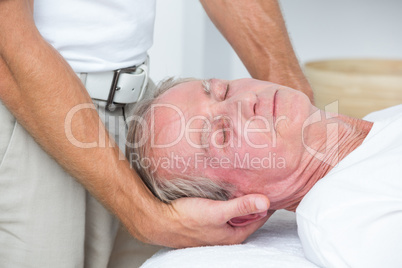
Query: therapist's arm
x=257, y=32
x=38, y=86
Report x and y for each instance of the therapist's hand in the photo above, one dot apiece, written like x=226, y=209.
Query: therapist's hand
x=189, y=222
x=205, y=222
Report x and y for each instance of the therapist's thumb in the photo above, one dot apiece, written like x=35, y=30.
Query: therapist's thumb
x=245, y=205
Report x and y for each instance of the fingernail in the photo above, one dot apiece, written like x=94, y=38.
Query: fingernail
x=261, y=204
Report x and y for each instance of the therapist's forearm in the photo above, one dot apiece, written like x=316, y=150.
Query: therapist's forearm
x=257, y=32
x=40, y=89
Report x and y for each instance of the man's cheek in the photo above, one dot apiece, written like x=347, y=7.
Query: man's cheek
x=256, y=141
x=258, y=134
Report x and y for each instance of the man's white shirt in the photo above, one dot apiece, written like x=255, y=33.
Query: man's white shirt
x=353, y=216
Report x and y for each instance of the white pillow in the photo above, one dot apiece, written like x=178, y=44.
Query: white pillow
x=276, y=244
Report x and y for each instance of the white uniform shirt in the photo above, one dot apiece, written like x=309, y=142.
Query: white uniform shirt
x=353, y=216
x=97, y=35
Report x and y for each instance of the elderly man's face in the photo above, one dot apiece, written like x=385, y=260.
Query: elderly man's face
x=245, y=132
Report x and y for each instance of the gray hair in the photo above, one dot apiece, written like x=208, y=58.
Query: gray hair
x=166, y=190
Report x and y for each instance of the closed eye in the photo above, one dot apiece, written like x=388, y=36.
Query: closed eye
x=226, y=93
x=224, y=127
x=225, y=136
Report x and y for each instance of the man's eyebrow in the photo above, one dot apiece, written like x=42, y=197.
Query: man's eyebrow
x=206, y=85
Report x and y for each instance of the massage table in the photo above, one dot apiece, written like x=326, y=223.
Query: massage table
x=276, y=244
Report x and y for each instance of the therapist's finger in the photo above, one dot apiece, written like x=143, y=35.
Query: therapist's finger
x=242, y=233
x=245, y=205
x=201, y=222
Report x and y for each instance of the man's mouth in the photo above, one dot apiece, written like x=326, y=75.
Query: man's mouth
x=274, y=105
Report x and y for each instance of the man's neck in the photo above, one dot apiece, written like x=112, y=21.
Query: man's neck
x=345, y=136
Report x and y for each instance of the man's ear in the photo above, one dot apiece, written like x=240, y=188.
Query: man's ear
x=247, y=219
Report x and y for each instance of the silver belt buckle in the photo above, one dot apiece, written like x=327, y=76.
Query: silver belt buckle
x=109, y=103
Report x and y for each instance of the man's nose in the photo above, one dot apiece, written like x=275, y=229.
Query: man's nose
x=244, y=104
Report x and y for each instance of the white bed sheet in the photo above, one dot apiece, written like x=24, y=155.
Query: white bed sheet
x=276, y=244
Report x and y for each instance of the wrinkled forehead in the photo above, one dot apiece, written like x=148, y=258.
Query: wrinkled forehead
x=165, y=122
x=169, y=113
x=169, y=149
